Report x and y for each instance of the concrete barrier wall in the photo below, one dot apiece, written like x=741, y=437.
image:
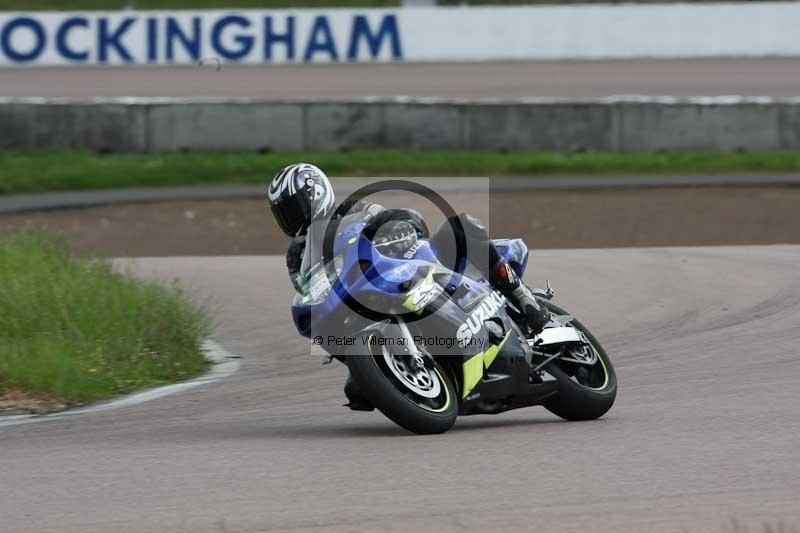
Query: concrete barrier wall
x=624, y=125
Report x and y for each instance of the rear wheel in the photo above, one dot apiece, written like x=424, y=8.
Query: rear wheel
x=414, y=392
x=587, y=380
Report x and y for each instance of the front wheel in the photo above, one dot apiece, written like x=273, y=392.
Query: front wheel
x=421, y=399
x=586, y=392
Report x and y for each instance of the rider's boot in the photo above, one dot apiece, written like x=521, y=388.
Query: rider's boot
x=510, y=286
x=357, y=401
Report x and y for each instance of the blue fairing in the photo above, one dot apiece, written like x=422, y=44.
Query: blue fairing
x=367, y=275
x=365, y=272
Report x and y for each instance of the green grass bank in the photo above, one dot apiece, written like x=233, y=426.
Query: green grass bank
x=47, y=170
x=74, y=329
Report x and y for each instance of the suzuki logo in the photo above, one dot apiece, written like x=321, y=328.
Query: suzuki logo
x=487, y=309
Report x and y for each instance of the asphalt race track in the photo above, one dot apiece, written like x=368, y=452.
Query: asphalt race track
x=704, y=432
x=693, y=77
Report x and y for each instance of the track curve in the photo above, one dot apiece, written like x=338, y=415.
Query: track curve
x=704, y=430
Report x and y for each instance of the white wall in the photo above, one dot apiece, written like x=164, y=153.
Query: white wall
x=406, y=34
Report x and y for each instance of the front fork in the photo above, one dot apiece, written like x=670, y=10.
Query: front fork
x=422, y=360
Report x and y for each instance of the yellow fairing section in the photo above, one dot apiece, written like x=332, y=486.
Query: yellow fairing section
x=473, y=372
x=490, y=354
x=416, y=300
x=473, y=367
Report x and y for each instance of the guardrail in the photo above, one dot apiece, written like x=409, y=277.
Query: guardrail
x=613, y=124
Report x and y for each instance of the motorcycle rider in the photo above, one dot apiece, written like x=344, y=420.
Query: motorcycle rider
x=301, y=194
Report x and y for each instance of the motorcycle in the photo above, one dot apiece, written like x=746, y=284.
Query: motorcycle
x=426, y=344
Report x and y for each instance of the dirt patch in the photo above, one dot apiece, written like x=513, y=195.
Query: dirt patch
x=554, y=219
x=18, y=402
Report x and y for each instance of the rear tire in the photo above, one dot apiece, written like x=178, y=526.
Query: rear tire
x=575, y=401
x=400, y=404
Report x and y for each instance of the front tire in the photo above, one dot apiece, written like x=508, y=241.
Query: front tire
x=398, y=400
x=576, y=400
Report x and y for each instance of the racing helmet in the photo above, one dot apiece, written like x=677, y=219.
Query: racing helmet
x=298, y=195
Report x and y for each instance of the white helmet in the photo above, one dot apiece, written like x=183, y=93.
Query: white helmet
x=298, y=195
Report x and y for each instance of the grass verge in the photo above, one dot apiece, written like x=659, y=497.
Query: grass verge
x=72, y=328
x=47, y=170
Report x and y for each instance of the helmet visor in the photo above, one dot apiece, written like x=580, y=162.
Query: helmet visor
x=292, y=214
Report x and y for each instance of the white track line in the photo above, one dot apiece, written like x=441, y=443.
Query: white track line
x=225, y=364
